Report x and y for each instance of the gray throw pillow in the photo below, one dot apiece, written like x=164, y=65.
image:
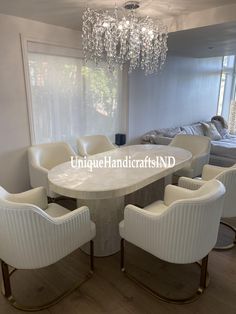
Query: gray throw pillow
x=223, y=131
x=211, y=131
x=171, y=132
x=194, y=129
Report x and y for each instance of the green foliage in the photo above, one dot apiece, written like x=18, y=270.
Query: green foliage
x=101, y=86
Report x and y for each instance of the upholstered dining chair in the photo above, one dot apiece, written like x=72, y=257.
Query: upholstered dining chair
x=44, y=157
x=93, y=144
x=182, y=229
x=199, y=146
x=35, y=234
x=227, y=175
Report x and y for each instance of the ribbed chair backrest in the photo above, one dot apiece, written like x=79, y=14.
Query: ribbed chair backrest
x=228, y=178
x=30, y=238
x=191, y=225
x=186, y=231
x=93, y=144
x=23, y=233
x=195, y=144
x=49, y=155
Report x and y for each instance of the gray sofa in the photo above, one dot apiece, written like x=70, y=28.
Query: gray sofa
x=223, y=146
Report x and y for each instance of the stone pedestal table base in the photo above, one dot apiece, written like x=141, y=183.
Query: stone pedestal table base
x=106, y=214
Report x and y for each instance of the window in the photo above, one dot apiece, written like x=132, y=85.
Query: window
x=70, y=98
x=227, y=92
x=232, y=118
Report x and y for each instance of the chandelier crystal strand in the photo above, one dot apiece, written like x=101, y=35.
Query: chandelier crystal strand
x=117, y=40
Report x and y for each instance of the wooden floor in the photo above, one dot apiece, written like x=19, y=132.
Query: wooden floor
x=109, y=291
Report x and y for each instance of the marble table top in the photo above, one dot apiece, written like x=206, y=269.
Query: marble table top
x=103, y=183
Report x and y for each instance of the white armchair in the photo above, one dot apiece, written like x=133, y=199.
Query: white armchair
x=226, y=175
x=93, y=144
x=35, y=234
x=181, y=229
x=44, y=157
x=200, y=147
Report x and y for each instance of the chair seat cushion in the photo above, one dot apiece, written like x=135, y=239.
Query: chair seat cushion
x=55, y=210
x=157, y=207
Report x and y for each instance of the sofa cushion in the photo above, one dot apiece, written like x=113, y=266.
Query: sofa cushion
x=194, y=129
x=162, y=140
x=171, y=132
x=168, y=132
x=222, y=130
x=211, y=131
x=148, y=137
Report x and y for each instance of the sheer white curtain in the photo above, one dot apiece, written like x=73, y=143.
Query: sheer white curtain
x=232, y=118
x=70, y=98
x=227, y=93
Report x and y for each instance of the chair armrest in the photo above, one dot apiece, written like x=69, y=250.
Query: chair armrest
x=210, y=172
x=37, y=196
x=129, y=209
x=198, y=163
x=52, y=238
x=38, y=173
x=174, y=193
x=146, y=230
x=74, y=214
x=38, y=176
x=136, y=222
x=191, y=184
x=73, y=229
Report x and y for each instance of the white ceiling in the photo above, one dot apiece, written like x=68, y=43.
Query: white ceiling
x=215, y=40
x=68, y=13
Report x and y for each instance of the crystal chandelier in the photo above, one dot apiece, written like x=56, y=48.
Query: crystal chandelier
x=120, y=38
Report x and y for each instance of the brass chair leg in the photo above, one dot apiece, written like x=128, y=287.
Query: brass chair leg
x=91, y=256
x=6, y=280
x=122, y=255
x=203, y=276
x=204, y=281
x=7, y=291
x=231, y=245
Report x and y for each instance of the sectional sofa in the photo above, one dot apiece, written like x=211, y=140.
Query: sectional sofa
x=223, y=144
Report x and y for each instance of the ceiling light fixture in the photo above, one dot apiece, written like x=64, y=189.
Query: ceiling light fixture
x=123, y=37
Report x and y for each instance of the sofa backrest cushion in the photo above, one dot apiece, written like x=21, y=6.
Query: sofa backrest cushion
x=194, y=129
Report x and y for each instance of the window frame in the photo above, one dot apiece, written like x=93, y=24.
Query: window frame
x=227, y=70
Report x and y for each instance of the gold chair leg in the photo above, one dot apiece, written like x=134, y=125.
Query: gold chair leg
x=122, y=255
x=6, y=280
x=7, y=291
x=204, y=281
x=91, y=256
x=203, y=276
x=231, y=245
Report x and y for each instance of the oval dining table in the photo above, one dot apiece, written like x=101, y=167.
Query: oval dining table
x=103, y=190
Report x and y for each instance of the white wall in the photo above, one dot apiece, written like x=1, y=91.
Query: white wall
x=14, y=126
x=185, y=91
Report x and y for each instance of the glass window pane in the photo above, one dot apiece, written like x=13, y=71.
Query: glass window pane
x=70, y=99
x=221, y=94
